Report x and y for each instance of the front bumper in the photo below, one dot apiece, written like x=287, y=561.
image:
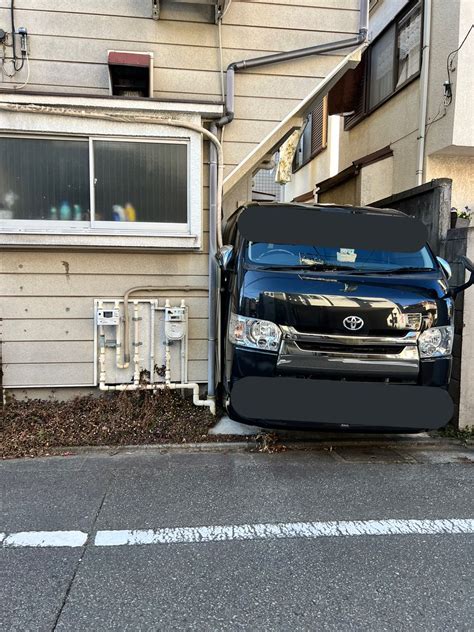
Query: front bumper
x=288, y=402
x=334, y=356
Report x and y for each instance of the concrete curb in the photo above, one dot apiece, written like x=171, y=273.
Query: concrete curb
x=363, y=441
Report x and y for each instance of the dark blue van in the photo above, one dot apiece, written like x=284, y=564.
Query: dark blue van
x=300, y=322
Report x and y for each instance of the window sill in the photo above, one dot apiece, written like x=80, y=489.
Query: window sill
x=103, y=240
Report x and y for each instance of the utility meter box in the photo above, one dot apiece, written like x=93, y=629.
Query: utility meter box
x=157, y=336
x=108, y=316
x=175, y=322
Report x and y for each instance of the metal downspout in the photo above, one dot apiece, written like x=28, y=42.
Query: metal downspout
x=213, y=294
x=423, y=112
x=289, y=56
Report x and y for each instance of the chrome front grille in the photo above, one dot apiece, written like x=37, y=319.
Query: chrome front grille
x=325, y=347
x=383, y=356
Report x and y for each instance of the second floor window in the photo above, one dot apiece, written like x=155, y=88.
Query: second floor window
x=389, y=63
x=314, y=137
x=395, y=56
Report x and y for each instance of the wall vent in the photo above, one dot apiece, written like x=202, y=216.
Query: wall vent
x=130, y=73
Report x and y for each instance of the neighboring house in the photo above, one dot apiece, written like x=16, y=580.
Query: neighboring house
x=403, y=117
x=106, y=174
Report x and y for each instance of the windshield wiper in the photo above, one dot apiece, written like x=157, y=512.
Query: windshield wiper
x=406, y=270
x=311, y=266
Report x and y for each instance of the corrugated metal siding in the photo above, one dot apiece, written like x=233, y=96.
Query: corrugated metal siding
x=48, y=305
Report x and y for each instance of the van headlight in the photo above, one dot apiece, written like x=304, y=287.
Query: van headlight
x=254, y=333
x=436, y=342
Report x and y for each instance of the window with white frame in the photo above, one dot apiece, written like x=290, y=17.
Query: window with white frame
x=95, y=183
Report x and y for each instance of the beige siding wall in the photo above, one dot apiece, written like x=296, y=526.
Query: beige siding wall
x=47, y=295
x=69, y=42
x=48, y=300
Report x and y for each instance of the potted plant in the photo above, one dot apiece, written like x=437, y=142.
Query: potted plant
x=460, y=219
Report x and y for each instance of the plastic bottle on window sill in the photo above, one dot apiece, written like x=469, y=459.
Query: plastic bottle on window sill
x=65, y=211
x=130, y=213
x=77, y=216
x=53, y=213
x=118, y=213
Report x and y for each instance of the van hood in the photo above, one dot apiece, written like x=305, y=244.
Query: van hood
x=328, y=302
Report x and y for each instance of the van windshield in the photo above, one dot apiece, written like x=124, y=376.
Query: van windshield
x=302, y=256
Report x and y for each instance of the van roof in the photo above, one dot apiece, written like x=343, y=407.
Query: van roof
x=337, y=208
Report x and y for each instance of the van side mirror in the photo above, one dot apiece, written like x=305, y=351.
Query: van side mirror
x=453, y=292
x=445, y=267
x=224, y=256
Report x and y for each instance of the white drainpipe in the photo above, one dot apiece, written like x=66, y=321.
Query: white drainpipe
x=422, y=116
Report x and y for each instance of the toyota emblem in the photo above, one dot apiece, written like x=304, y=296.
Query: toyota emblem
x=353, y=323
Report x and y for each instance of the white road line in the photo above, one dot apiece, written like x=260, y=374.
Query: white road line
x=45, y=539
x=283, y=530
x=227, y=533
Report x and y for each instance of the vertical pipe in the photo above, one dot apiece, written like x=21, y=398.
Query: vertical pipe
x=136, y=355
x=422, y=115
x=213, y=271
x=152, y=340
x=364, y=18
x=102, y=354
x=167, y=350
x=184, y=346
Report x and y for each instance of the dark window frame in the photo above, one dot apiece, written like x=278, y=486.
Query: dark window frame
x=315, y=151
x=353, y=120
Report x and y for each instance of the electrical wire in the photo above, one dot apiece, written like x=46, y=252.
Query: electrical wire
x=450, y=57
x=221, y=57
x=27, y=74
x=443, y=106
x=226, y=9
x=15, y=58
x=438, y=116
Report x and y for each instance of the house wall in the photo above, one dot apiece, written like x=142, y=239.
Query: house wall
x=450, y=129
x=466, y=404
x=461, y=171
x=69, y=43
x=47, y=291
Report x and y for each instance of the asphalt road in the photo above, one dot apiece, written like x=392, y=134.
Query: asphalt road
x=341, y=577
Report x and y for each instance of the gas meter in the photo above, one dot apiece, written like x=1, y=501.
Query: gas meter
x=175, y=322
x=108, y=316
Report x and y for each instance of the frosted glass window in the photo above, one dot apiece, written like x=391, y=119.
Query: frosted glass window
x=140, y=181
x=43, y=179
x=409, y=36
x=381, y=68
